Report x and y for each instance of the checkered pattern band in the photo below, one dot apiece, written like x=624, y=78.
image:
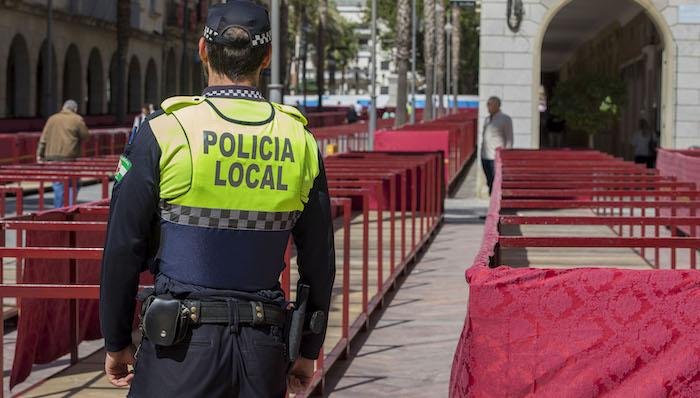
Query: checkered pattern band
x=229, y=219
x=263, y=38
x=258, y=40
x=209, y=33
x=235, y=93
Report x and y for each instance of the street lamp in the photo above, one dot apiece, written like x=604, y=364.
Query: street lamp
x=305, y=29
x=373, y=76
x=414, y=29
x=275, y=84
x=448, y=85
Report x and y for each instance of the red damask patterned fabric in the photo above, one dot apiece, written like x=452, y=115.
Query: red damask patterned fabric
x=576, y=332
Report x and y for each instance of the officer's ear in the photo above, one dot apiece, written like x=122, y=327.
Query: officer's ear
x=203, y=51
x=268, y=58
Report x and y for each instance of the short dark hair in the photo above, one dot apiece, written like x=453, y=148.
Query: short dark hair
x=496, y=100
x=240, y=60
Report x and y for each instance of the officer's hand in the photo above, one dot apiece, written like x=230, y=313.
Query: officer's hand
x=299, y=377
x=117, y=366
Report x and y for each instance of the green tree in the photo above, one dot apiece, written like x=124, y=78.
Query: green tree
x=589, y=102
x=468, y=51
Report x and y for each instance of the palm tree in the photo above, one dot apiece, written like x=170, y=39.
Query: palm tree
x=320, y=49
x=123, y=28
x=403, y=45
x=456, y=32
x=440, y=54
x=428, y=54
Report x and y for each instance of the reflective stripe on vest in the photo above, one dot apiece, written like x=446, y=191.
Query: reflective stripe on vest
x=229, y=219
x=230, y=163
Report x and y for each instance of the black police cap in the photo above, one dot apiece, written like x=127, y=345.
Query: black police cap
x=246, y=15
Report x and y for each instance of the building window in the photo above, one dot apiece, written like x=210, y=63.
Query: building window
x=384, y=90
x=385, y=65
x=135, y=14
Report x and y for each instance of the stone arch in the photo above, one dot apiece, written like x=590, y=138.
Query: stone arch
x=72, y=75
x=134, y=96
x=668, y=70
x=151, y=83
x=44, y=88
x=95, y=83
x=170, y=86
x=17, y=78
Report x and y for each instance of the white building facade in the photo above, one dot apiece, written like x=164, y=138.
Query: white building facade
x=512, y=64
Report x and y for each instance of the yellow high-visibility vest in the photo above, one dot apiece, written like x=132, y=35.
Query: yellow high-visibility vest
x=234, y=163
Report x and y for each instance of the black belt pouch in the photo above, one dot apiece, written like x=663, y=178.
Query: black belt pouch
x=165, y=322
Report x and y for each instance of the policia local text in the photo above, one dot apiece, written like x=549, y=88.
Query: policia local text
x=265, y=148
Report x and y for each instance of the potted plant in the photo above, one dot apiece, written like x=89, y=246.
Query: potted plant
x=589, y=103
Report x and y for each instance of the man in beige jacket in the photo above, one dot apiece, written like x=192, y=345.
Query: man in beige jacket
x=60, y=141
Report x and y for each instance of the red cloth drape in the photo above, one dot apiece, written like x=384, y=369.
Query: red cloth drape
x=576, y=332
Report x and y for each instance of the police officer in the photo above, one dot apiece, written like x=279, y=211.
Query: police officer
x=206, y=197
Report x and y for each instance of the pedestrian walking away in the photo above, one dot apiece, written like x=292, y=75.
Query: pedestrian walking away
x=60, y=142
x=644, y=145
x=206, y=198
x=498, y=133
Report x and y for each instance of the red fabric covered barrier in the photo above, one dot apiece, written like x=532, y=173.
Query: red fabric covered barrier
x=9, y=150
x=581, y=332
x=27, y=144
x=454, y=135
x=437, y=139
x=43, y=331
x=685, y=166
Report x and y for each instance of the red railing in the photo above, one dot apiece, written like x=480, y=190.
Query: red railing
x=397, y=196
x=20, y=148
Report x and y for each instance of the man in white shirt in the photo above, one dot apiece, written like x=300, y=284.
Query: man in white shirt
x=498, y=133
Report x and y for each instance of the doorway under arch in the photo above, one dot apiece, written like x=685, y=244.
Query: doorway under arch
x=135, y=99
x=170, y=75
x=151, y=86
x=95, y=83
x=44, y=107
x=72, y=75
x=17, y=89
x=628, y=42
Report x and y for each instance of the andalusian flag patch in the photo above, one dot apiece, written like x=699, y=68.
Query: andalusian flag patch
x=124, y=167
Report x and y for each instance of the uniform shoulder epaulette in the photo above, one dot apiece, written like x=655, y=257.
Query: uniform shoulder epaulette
x=291, y=111
x=173, y=104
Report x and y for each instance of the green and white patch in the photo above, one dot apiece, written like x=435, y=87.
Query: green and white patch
x=124, y=167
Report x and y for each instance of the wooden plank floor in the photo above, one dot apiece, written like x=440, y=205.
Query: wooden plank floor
x=583, y=257
x=9, y=304
x=86, y=378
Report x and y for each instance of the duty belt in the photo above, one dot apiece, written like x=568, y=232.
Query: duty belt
x=253, y=313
